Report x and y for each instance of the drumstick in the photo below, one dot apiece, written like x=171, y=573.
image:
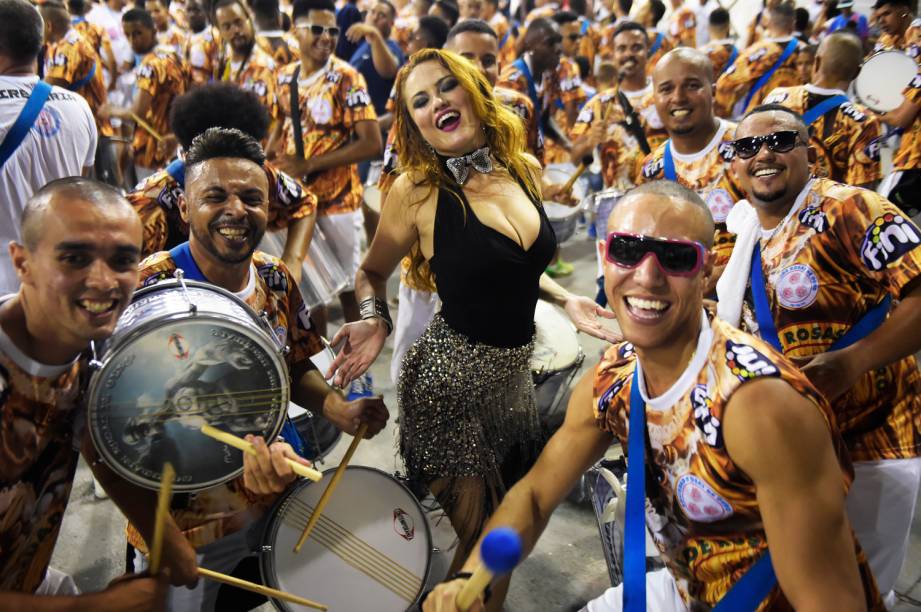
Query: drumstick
x=337, y=476
x=146, y=126
x=500, y=552
x=246, y=585
x=583, y=166
x=247, y=447
x=163, y=499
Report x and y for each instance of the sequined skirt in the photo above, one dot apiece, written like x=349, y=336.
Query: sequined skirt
x=467, y=409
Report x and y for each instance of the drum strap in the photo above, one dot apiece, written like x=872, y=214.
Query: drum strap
x=872, y=319
x=24, y=121
x=85, y=80
x=182, y=256
x=176, y=170
x=632, y=122
x=745, y=594
x=522, y=65
x=668, y=162
x=733, y=56
x=657, y=44
x=787, y=52
x=296, y=114
x=811, y=115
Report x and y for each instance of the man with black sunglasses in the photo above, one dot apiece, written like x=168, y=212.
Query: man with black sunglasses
x=814, y=271
x=733, y=460
x=698, y=151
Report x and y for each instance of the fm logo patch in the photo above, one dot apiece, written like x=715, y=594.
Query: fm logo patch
x=357, y=97
x=626, y=351
x=890, y=237
x=726, y=152
x=797, y=286
x=303, y=317
x=851, y=111
x=708, y=424
x=776, y=98
x=287, y=190
x=653, y=168
x=747, y=363
x=169, y=196
x=699, y=501
x=585, y=115
x=872, y=150
x=813, y=217
x=604, y=402
x=274, y=278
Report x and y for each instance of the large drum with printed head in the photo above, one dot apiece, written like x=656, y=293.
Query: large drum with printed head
x=182, y=355
x=882, y=79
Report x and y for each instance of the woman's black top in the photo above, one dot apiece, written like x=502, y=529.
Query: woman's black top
x=488, y=284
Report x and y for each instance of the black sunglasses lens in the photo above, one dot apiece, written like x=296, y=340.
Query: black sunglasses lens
x=679, y=258
x=782, y=142
x=626, y=250
x=747, y=147
x=316, y=30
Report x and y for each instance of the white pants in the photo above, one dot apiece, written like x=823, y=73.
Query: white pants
x=880, y=506
x=221, y=556
x=414, y=313
x=661, y=596
x=343, y=235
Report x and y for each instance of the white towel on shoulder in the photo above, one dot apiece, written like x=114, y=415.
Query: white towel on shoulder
x=730, y=288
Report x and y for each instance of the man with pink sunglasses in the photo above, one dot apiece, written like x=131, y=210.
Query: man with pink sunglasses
x=734, y=464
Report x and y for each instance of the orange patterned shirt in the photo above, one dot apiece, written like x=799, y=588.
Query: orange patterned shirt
x=156, y=200
x=164, y=76
x=203, y=55
x=38, y=458
x=701, y=508
x=621, y=156
x=719, y=52
x=682, y=27
x=222, y=510
x=403, y=30
x=256, y=74
x=840, y=253
x=847, y=146
x=72, y=59
x=709, y=173
x=174, y=38
x=332, y=100
x=508, y=40
x=733, y=85
x=94, y=34
x=283, y=47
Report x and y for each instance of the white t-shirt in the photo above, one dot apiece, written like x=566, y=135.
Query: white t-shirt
x=111, y=21
x=61, y=143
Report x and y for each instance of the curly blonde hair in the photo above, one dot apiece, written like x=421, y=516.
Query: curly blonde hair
x=505, y=135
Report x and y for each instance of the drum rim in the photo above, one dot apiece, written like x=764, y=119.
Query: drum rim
x=270, y=531
x=856, y=81
x=117, y=350
x=175, y=283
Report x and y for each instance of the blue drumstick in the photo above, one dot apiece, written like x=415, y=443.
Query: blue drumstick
x=500, y=552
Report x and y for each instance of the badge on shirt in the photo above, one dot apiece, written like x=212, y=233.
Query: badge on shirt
x=797, y=287
x=321, y=110
x=720, y=203
x=700, y=502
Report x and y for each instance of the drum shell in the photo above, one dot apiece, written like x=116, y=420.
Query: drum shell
x=555, y=361
x=284, y=506
x=563, y=219
x=146, y=315
x=603, y=203
x=322, y=276
x=882, y=78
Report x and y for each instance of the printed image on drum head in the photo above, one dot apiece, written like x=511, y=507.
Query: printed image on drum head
x=370, y=550
x=155, y=393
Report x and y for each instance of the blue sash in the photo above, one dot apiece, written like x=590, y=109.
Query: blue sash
x=787, y=52
x=85, y=80
x=182, y=256
x=668, y=162
x=872, y=319
x=512, y=29
x=745, y=594
x=176, y=170
x=733, y=56
x=823, y=107
x=24, y=121
x=656, y=44
x=532, y=92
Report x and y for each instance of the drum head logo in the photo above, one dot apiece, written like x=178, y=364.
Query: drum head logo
x=890, y=237
x=814, y=217
x=178, y=347
x=720, y=203
x=403, y=524
x=700, y=502
x=747, y=363
x=797, y=287
x=706, y=422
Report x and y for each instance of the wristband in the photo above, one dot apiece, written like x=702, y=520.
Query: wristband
x=372, y=307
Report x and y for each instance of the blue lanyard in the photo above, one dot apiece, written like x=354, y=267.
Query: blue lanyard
x=871, y=320
x=532, y=88
x=85, y=80
x=745, y=594
x=733, y=55
x=182, y=255
x=176, y=170
x=25, y=120
x=668, y=162
x=823, y=107
x=787, y=52
x=657, y=43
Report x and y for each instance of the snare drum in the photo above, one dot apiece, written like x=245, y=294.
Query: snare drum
x=563, y=219
x=322, y=276
x=555, y=361
x=603, y=203
x=318, y=434
x=370, y=550
x=184, y=354
x=882, y=78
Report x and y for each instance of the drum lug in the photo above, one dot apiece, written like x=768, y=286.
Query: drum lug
x=180, y=276
x=266, y=548
x=94, y=362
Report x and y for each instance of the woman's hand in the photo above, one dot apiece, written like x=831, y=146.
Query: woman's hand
x=363, y=343
x=585, y=314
